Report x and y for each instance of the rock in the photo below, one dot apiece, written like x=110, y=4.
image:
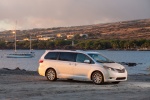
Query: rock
x=148, y=68
x=132, y=64
x=6, y=68
x=17, y=68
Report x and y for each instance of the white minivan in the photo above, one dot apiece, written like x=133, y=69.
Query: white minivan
x=79, y=64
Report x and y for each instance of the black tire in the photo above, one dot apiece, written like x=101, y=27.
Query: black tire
x=97, y=78
x=116, y=82
x=51, y=75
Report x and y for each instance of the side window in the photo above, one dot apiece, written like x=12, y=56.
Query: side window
x=52, y=55
x=81, y=58
x=67, y=56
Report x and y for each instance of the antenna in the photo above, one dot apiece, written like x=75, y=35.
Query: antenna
x=30, y=43
x=15, y=36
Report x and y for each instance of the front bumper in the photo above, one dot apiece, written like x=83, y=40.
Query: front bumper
x=115, y=76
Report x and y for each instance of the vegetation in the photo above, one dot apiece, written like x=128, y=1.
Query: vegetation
x=125, y=30
x=126, y=35
x=80, y=44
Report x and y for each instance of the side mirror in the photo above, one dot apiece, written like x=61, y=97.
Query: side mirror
x=87, y=61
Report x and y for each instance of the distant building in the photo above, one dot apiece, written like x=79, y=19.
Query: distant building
x=59, y=35
x=40, y=36
x=70, y=36
x=46, y=38
x=27, y=39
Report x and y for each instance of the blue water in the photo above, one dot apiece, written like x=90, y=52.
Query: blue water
x=117, y=56
x=128, y=56
x=22, y=63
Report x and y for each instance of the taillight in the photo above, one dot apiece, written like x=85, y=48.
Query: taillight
x=40, y=61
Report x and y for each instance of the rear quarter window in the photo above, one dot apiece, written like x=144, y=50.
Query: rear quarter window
x=52, y=55
x=67, y=56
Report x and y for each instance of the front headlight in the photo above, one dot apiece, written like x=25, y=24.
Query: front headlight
x=115, y=70
x=109, y=68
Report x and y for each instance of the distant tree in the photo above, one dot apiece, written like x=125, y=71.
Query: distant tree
x=93, y=44
x=80, y=45
x=146, y=44
x=115, y=44
x=69, y=47
x=77, y=37
x=2, y=45
x=50, y=45
x=41, y=45
x=89, y=45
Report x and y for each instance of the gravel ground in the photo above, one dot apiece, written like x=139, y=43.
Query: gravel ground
x=28, y=85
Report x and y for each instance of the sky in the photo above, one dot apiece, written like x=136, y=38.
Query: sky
x=31, y=14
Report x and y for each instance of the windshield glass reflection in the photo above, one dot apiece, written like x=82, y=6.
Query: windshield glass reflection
x=100, y=59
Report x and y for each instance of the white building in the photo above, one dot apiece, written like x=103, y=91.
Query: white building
x=46, y=38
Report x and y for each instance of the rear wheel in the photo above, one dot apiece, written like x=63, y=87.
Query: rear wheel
x=51, y=75
x=97, y=78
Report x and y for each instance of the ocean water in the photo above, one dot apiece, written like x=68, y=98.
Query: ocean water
x=23, y=63
x=141, y=57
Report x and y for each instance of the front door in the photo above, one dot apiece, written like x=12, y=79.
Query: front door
x=82, y=67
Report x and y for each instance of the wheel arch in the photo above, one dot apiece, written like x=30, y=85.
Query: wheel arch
x=50, y=68
x=99, y=72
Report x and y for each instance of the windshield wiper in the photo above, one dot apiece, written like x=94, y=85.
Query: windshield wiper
x=100, y=61
x=110, y=62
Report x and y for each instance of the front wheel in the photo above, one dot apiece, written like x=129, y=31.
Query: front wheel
x=97, y=78
x=51, y=75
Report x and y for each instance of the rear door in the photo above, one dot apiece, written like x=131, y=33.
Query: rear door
x=66, y=63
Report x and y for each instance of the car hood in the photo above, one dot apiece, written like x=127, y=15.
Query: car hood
x=113, y=65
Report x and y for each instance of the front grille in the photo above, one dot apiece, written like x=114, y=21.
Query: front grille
x=120, y=70
x=121, y=78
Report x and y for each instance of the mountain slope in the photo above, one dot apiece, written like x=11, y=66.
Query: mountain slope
x=136, y=29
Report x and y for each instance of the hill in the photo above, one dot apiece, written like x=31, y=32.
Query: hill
x=136, y=29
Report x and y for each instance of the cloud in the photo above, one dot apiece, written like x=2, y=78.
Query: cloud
x=55, y=13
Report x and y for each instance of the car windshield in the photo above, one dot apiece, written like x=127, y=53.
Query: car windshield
x=100, y=59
